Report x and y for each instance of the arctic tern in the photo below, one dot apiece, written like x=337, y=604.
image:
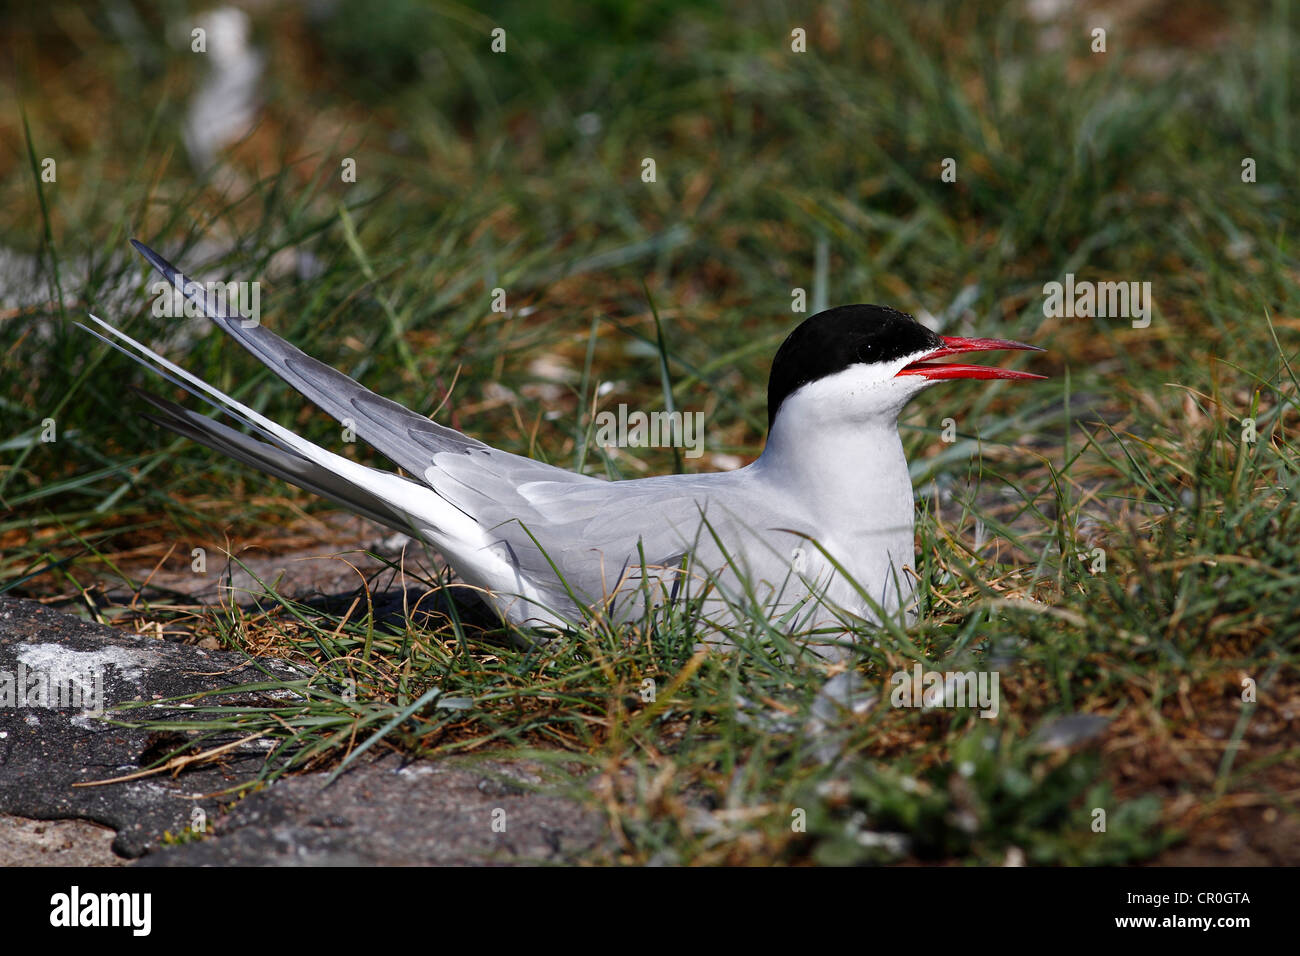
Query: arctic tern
x=817, y=532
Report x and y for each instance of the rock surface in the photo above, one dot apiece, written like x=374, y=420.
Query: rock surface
x=418, y=814
x=381, y=812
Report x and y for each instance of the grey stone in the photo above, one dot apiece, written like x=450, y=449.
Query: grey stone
x=45, y=750
x=383, y=811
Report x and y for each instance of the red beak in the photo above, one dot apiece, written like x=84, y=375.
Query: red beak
x=955, y=345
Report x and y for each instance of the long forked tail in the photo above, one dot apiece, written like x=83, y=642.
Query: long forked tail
x=389, y=498
x=407, y=438
x=393, y=500
x=286, y=465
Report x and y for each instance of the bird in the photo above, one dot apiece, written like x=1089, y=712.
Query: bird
x=816, y=534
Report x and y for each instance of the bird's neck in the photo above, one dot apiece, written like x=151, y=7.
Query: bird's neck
x=851, y=473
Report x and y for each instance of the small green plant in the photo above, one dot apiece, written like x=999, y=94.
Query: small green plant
x=994, y=795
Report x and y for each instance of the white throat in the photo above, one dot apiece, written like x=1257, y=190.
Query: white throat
x=849, y=474
x=835, y=455
x=835, y=444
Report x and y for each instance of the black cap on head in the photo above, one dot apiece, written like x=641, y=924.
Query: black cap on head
x=831, y=341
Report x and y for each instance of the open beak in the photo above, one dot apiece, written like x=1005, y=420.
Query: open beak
x=956, y=345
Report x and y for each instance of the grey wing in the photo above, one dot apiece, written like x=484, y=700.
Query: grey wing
x=407, y=438
x=598, y=536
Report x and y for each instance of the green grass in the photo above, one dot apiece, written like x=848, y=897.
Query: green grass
x=474, y=174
